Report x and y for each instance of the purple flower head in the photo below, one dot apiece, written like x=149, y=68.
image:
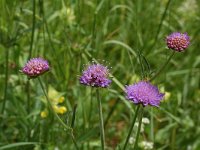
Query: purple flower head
x=144, y=93
x=95, y=75
x=178, y=41
x=35, y=67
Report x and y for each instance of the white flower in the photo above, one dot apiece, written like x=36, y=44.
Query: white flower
x=131, y=140
x=145, y=120
x=146, y=145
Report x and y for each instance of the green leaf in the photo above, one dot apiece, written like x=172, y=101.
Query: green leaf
x=9, y=146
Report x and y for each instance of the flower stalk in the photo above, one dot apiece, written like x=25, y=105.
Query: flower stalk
x=138, y=131
x=163, y=67
x=57, y=117
x=6, y=82
x=131, y=128
x=101, y=121
x=51, y=107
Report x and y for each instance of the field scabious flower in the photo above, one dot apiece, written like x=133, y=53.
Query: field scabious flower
x=96, y=75
x=35, y=67
x=144, y=93
x=178, y=41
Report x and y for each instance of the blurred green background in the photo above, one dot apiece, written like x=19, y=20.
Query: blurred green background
x=126, y=35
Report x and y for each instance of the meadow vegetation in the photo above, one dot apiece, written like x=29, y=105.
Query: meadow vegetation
x=127, y=36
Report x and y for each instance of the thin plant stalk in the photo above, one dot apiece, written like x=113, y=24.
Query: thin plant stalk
x=101, y=121
x=6, y=82
x=30, y=54
x=138, y=131
x=152, y=125
x=163, y=67
x=56, y=115
x=111, y=112
x=33, y=31
x=91, y=106
x=51, y=107
x=161, y=21
x=28, y=107
x=131, y=128
x=49, y=37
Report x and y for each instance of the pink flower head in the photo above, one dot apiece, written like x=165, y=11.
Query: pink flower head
x=144, y=93
x=35, y=67
x=95, y=75
x=178, y=41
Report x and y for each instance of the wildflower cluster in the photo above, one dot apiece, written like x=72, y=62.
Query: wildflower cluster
x=97, y=75
x=56, y=100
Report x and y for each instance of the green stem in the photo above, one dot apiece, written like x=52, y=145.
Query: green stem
x=30, y=54
x=53, y=50
x=51, y=107
x=132, y=125
x=163, y=67
x=28, y=107
x=74, y=140
x=101, y=121
x=33, y=31
x=91, y=106
x=56, y=115
x=73, y=115
x=111, y=112
x=152, y=125
x=6, y=81
x=138, y=131
x=161, y=22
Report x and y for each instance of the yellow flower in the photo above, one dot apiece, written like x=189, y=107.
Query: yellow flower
x=59, y=109
x=44, y=114
x=62, y=110
x=61, y=99
x=55, y=98
x=56, y=109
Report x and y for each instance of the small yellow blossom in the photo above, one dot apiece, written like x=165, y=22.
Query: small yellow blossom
x=59, y=109
x=61, y=99
x=62, y=109
x=56, y=108
x=56, y=99
x=44, y=114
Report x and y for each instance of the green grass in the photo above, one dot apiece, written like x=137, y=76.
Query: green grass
x=130, y=37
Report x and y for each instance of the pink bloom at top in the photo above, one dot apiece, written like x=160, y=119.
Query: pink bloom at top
x=178, y=41
x=95, y=75
x=35, y=67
